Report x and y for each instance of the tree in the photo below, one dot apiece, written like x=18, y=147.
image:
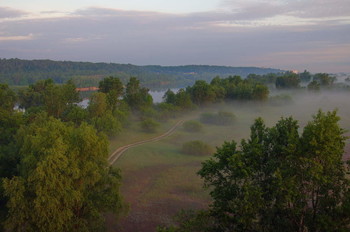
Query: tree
x=314, y=86
x=169, y=97
x=280, y=181
x=10, y=122
x=149, y=125
x=7, y=97
x=260, y=92
x=107, y=124
x=201, y=92
x=47, y=96
x=137, y=97
x=305, y=76
x=287, y=81
x=183, y=100
x=324, y=79
x=97, y=105
x=113, y=87
x=64, y=183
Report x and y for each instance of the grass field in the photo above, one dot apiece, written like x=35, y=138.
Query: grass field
x=159, y=180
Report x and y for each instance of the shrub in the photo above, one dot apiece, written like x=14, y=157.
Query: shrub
x=193, y=126
x=149, y=125
x=197, y=147
x=221, y=118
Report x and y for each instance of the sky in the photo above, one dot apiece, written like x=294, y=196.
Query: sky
x=285, y=34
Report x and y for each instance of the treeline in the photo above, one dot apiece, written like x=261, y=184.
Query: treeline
x=26, y=72
x=109, y=108
x=290, y=80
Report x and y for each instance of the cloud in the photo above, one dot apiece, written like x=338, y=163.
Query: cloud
x=217, y=37
x=17, y=37
x=262, y=9
x=6, y=12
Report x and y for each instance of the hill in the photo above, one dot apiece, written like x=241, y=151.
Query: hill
x=24, y=72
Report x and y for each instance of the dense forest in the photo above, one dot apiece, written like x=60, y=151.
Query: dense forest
x=84, y=74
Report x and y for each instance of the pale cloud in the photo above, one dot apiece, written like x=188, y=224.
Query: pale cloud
x=16, y=37
x=241, y=37
x=7, y=12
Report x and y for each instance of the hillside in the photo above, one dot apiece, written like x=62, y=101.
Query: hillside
x=24, y=72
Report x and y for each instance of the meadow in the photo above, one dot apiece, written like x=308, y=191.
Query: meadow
x=158, y=179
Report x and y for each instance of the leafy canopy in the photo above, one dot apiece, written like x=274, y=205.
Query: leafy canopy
x=280, y=180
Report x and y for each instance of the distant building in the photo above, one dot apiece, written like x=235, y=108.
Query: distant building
x=87, y=89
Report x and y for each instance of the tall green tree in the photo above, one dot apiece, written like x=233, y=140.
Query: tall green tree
x=47, y=96
x=136, y=96
x=7, y=97
x=305, y=76
x=113, y=87
x=98, y=104
x=10, y=122
x=324, y=79
x=201, y=92
x=64, y=183
x=288, y=81
x=278, y=180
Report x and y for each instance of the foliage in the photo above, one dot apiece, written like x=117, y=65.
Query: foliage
x=113, y=88
x=64, y=183
x=7, y=97
x=46, y=96
x=278, y=180
x=149, y=125
x=269, y=78
x=324, y=79
x=137, y=97
x=85, y=74
x=169, y=97
x=305, y=76
x=201, y=92
x=97, y=104
x=107, y=124
x=313, y=86
x=197, y=147
x=221, y=118
x=287, y=81
x=75, y=114
x=235, y=88
x=183, y=100
x=193, y=126
x=166, y=111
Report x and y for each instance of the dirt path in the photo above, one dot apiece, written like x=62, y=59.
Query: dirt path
x=117, y=153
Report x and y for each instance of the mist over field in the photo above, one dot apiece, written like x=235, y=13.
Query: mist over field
x=160, y=179
x=175, y=116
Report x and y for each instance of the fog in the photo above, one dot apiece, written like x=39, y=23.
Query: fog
x=301, y=105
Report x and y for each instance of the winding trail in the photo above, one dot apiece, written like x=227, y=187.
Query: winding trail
x=118, y=153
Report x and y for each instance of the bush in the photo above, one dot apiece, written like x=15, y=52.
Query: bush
x=193, y=126
x=149, y=125
x=197, y=147
x=221, y=118
x=107, y=124
x=166, y=111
